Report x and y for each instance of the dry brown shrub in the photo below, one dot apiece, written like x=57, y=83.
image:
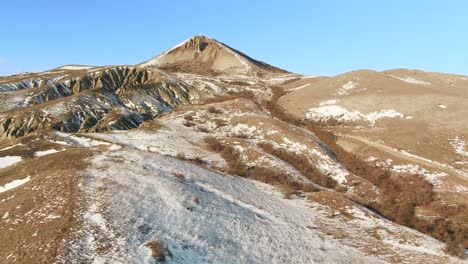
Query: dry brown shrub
x=196, y=199
x=204, y=129
x=158, y=251
x=179, y=176
x=302, y=164
x=214, y=110
x=259, y=173
x=214, y=144
x=310, y=188
x=220, y=122
x=188, y=117
x=188, y=124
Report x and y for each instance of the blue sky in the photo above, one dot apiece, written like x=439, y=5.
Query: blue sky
x=310, y=37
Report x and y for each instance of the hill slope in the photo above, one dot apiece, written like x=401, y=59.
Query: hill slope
x=203, y=55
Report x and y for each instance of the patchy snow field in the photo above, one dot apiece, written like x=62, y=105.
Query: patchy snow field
x=329, y=111
x=459, y=146
x=14, y=184
x=9, y=160
x=208, y=217
x=347, y=87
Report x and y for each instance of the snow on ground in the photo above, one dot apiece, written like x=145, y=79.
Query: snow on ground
x=323, y=162
x=208, y=217
x=411, y=80
x=9, y=160
x=347, y=87
x=329, y=102
x=329, y=111
x=172, y=139
x=10, y=147
x=235, y=220
x=74, y=140
x=460, y=146
x=281, y=79
x=14, y=184
x=45, y=152
x=461, y=172
x=299, y=87
x=432, y=177
x=378, y=162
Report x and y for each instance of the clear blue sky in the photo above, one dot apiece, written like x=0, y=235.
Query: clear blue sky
x=310, y=37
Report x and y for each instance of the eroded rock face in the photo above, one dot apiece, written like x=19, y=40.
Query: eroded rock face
x=106, y=99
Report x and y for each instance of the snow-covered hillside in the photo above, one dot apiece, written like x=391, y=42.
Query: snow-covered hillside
x=202, y=216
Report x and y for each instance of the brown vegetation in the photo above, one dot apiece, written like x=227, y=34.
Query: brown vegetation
x=302, y=164
x=214, y=110
x=179, y=176
x=402, y=193
x=158, y=251
x=271, y=176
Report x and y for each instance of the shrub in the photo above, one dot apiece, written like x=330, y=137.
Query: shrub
x=214, y=144
x=263, y=174
x=310, y=188
x=220, y=122
x=204, y=129
x=179, y=176
x=188, y=117
x=302, y=164
x=214, y=110
x=158, y=251
x=188, y=124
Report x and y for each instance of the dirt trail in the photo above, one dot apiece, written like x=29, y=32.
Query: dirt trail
x=419, y=160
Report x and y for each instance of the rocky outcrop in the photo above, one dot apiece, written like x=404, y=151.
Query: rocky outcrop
x=108, y=99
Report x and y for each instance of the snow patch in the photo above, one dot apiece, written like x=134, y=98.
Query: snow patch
x=14, y=184
x=347, y=87
x=432, y=177
x=412, y=80
x=45, y=152
x=459, y=145
x=335, y=112
x=72, y=140
x=10, y=147
x=299, y=87
x=329, y=102
x=9, y=160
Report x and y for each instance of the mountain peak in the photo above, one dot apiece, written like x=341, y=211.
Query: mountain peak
x=203, y=55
